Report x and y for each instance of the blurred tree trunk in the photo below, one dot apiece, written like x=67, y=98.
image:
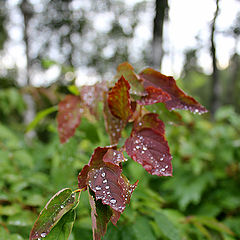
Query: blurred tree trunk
x=27, y=13
x=161, y=13
x=215, y=89
x=232, y=93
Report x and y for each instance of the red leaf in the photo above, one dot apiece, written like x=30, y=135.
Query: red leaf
x=114, y=156
x=127, y=71
x=150, y=120
x=69, y=116
x=155, y=95
x=119, y=100
x=113, y=125
x=179, y=100
x=106, y=180
x=148, y=146
x=91, y=95
x=101, y=215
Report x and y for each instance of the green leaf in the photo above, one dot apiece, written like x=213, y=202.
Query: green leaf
x=74, y=90
x=213, y=224
x=40, y=116
x=166, y=226
x=54, y=210
x=142, y=229
x=63, y=228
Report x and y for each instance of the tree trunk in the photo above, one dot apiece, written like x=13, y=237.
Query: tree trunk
x=215, y=89
x=161, y=13
x=27, y=11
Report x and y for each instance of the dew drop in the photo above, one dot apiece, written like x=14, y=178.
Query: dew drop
x=61, y=206
x=147, y=167
x=137, y=147
x=144, y=148
x=161, y=159
x=98, y=188
x=113, y=201
x=103, y=174
x=43, y=234
x=107, y=187
x=104, y=181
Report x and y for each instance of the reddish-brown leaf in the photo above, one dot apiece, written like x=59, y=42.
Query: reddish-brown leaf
x=119, y=100
x=101, y=215
x=69, y=115
x=113, y=125
x=179, y=100
x=114, y=156
x=150, y=120
x=106, y=180
x=155, y=95
x=127, y=71
x=148, y=146
x=92, y=95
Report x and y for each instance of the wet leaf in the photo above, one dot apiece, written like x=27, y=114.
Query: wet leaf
x=164, y=113
x=127, y=71
x=63, y=228
x=106, y=180
x=54, y=210
x=69, y=116
x=150, y=120
x=119, y=100
x=92, y=95
x=155, y=95
x=113, y=125
x=147, y=145
x=114, y=156
x=179, y=100
x=100, y=214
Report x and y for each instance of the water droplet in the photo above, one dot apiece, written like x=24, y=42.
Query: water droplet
x=104, y=181
x=166, y=166
x=147, y=167
x=114, y=154
x=144, y=148
x=61, y=206
x=43, y=234
x=107, y=187
x=113, y=201
x=103, y=174
x=161, y=159
x=98, y=188
x=137, y=147
x=163, y=169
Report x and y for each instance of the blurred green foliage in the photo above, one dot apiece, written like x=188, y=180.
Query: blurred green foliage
x=200, y=201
